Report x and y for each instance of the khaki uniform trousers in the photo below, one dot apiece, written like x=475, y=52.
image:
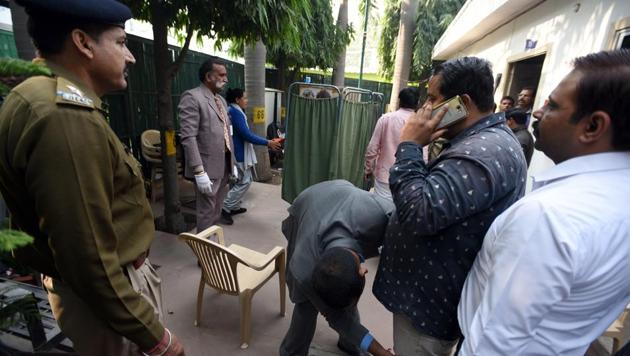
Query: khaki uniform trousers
x=90, y=334
x=409, y=342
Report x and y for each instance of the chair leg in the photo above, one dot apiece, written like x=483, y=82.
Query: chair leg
x=202, y=284
x=280, y=264
x=246, y=317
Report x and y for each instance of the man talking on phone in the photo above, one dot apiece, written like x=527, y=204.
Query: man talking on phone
x=444, y=207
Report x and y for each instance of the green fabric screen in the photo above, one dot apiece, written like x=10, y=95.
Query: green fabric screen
x=356, y=125
x=311, y=128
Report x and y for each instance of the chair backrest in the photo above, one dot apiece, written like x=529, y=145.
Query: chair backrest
x=150, y=138
x=218, y=263
x=150, y=145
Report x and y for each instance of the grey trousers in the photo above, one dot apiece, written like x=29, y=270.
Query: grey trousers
x=298, y=339
x=91, y=335
x=209, y=206
x=409, y=342
x=234, y=196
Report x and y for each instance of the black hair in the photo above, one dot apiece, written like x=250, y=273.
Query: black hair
x=467, y=75
x=49, y=33
x=336, y=278
x=208, y=65
x=409, y=97
x=519, y=116
x=532, y=89
x=323, y=94
x=605, y=85
x=234, y=93
x=507, y=97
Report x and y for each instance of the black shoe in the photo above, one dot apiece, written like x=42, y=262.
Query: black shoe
x=238, y=211
x=226, y=218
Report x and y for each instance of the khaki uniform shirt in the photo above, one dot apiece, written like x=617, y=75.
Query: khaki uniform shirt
x=70, y=183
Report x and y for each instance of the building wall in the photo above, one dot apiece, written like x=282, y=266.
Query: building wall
x=561, y=32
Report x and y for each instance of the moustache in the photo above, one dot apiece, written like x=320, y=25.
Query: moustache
x=535, y=127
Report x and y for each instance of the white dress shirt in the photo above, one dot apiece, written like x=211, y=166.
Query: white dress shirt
x=554, y=269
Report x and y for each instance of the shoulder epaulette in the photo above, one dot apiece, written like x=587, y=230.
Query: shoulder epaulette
x=69, y=93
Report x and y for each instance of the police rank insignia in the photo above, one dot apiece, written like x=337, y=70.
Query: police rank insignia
x=78, y=99
x=68, y=93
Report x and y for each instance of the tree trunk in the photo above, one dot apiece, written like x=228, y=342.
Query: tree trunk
x=23, y=43
x=402, y=66
x=173, y=218
x=281, y=66
x=255, y=57
x=339, y=70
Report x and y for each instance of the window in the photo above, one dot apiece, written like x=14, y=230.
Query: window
x=622, y=38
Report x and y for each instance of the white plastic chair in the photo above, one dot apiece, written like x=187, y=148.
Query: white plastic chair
x=235, y=270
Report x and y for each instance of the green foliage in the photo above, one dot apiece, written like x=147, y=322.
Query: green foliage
x=273, y=21
x=320, y=42
x=25, y=307
x=432, y=19
x=13, y=71
x=372, y=14
x=390, y=22
x=12, y=239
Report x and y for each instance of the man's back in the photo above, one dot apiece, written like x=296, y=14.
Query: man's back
x=565, y=250
x=527, y=142
x=328, y=214
x=380, y=153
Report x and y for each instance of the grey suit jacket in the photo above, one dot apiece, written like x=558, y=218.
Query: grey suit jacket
x=201, y=132
x=326, y=215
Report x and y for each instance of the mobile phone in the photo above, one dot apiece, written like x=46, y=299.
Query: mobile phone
x=456, y=111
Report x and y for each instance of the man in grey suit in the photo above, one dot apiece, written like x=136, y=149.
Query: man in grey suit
x=205, y=134
x=332, y=226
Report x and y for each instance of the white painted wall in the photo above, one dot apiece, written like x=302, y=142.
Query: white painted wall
x=559, y=29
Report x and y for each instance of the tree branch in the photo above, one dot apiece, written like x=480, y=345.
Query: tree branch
x=174, y=68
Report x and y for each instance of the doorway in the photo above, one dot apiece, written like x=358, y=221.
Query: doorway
x=524, y=73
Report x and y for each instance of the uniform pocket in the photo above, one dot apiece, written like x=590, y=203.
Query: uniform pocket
x=135, y=192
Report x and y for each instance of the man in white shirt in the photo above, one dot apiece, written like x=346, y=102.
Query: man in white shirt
x=553, y=272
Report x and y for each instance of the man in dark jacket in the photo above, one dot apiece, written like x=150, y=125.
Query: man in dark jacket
x=517, y=120
x=332, y=226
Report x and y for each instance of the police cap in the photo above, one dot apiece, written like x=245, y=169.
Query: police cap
x=99, y=11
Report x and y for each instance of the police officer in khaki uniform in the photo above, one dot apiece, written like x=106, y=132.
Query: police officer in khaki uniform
x=70, y=183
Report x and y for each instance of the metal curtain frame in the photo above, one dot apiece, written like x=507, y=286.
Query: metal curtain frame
x=289, y=96
x=375, y=97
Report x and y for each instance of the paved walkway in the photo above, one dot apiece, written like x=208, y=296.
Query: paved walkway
x=218, y=334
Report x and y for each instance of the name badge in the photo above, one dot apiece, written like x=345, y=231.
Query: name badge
x=231, y=131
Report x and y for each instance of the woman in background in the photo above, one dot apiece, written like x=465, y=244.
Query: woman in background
x=244, y=141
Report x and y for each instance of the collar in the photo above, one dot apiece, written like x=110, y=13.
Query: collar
x=599, y=162
x=71, y=90
x=483, y=123
x=237, y=107
x=207, y=92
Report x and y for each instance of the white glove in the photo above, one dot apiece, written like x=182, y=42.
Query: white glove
x=203, y=183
